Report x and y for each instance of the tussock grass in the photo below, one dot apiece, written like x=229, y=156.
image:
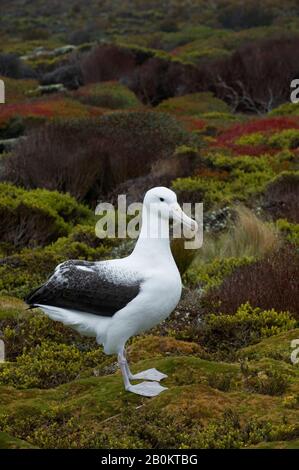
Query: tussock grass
x=247, y=236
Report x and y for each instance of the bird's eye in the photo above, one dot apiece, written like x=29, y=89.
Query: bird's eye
x=162, y=199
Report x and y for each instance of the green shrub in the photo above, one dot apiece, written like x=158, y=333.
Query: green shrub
x=195, y=104
x=25, y=330
x=290, y=231
x=267, y=382
x=212, y=274
x=256, y=138
x=12, y=128
x=225, y=179
x=48, y=365
x=23, y=271
x=111, y=95
x=288, y=138
x=230, y=332
x=286, y=109
x=37, y=217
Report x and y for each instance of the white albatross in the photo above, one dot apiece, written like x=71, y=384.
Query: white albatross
x=115, y=299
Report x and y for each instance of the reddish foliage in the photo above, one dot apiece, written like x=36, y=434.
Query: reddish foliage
x=257, y=77
x=55, y=107
x=158, y=79
x=281, y=198
x=272, y=282
x=265, y=126
x=191, y=123
x=89, y=157
x=107, y=62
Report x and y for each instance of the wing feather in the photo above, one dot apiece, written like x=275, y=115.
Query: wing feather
x=99, y=288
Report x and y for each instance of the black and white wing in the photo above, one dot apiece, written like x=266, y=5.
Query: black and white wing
x=100, y=288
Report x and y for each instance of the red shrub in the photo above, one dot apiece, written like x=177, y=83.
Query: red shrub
x=257, y=77
x=229, y=137
x=272, y=282
x=89, y=157
x=281, y=198
x=107, y=62
x=158, y=79
x=52, y=108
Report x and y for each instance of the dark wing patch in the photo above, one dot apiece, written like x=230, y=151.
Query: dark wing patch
x=96, y=288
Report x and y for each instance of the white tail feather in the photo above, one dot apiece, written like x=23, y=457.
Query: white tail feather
x=87, y=324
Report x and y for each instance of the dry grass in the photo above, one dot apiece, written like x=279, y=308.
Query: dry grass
x=248, y=236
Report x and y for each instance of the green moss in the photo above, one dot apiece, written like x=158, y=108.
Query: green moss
x=289, y=444
x=9, y=442
x=180, y=417
x=276, y=347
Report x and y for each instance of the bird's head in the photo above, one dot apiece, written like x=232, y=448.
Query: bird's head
x=163, y=202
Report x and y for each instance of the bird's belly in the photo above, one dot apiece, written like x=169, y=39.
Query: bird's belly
x=157, y=299
x=156, y=308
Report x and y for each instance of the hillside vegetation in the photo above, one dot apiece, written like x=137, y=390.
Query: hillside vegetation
x=106, y=98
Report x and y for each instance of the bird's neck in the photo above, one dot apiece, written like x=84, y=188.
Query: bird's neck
x=153, y=243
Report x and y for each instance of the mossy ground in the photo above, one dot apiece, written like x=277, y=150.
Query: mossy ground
x=205, y=398
x=145, y=116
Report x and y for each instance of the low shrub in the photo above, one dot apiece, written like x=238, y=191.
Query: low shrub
x=289, y=230
x=48, y=365
x=281, y=197
x=24, y=331
x=37, y=217
x=107, y=62
x=12, y=128
x=260, y=136
x=271, y=282
x=158, y=79
x=111, y=95
x=11, y=66
x=238, y=185
x=70, y=75
x=195, y=104
x=237, y=78
x=246, y=237
x=226, y=332
x=267, y=382
x=211, y=274
x=40, y=111
x=18, y=90
x=90, y=157
x=286, y=109
x=26, y=270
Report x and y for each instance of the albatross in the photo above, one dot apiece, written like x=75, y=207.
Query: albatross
x=116, y=299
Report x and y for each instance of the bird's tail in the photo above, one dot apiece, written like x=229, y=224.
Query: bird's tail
x=86, y=324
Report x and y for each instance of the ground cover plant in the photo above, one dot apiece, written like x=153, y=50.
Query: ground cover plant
x=104, y=98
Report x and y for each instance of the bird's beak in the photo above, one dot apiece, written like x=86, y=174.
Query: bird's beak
x=179, y=215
